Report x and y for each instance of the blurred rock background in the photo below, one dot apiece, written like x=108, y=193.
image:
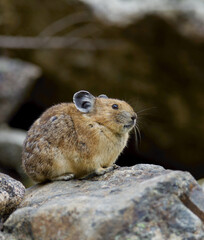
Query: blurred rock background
x=149, y=53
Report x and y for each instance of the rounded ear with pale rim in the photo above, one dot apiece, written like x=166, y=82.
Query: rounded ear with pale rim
x=84, y=101
x=102, y=96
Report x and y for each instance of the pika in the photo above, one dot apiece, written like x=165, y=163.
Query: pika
x=74, y=140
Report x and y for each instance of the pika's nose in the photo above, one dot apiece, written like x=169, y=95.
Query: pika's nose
x=134, y=117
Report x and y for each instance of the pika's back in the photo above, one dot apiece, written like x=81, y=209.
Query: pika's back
x=77, y=138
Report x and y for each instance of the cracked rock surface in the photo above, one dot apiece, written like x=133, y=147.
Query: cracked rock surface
x=139, y=202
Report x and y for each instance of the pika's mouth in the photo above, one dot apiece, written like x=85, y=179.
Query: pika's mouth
x=130, y=124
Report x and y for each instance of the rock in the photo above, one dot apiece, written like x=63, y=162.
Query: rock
x=11, y=142
x=11, y=195
x=2, y=237
x=186, y=15
x=139, y=202
x=16, y=79
x=201, y=183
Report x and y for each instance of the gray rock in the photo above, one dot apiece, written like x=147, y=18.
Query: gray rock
x=187, y=15
x=201, y=182
x=138, y=203
x=11, y=195
x=2, y=237
x=16, y=79
x=11, y=142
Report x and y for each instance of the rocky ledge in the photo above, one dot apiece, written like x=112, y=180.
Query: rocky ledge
x=139, y=202
x=11, y=195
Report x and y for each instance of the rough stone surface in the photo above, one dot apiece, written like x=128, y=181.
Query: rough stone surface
x=138, y=203
x=11, y=195
x=16, y=78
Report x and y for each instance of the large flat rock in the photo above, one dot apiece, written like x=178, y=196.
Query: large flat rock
x=139, y=202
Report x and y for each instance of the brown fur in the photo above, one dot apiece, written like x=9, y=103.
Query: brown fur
x=65, y=141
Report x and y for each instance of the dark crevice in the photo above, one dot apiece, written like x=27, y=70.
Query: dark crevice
x=194, y=202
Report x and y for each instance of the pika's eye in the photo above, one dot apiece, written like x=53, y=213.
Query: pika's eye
x=115, y=106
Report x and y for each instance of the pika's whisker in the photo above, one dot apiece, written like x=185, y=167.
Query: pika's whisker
x=136, y=139
x=138, y=131
x=137, y=136
x=145, y=109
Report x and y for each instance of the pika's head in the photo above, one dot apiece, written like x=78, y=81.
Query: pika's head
x=114, y=114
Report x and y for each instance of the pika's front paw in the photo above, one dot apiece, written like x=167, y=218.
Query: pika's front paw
x=115, y=166
x=65, y=177
x=101, y=171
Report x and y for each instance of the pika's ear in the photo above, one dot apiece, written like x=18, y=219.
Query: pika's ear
x=102, y=96
x=84, y=101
